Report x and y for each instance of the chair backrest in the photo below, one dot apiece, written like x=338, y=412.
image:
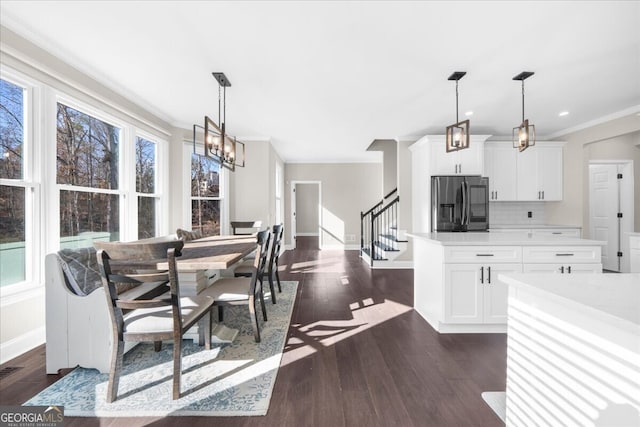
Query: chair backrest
x=136, y=264
x=260, y=261
x=278, y=231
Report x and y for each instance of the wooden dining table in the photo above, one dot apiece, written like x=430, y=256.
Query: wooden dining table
x=215, y=252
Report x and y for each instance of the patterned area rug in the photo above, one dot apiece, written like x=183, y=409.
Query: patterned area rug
x=496, y=401
x=228, y=380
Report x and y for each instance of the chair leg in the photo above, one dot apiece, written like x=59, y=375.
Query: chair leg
x=264, y=307
x=114, y=373
x=177, y=366
x=271, y=287
x=254, y=318
x=157, y=346
x=278, y=279
x=220, y=314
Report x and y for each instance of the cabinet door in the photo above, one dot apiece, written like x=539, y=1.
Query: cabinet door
x=496, y=292
x=527, y=176
x=543, y=268
x=442, y=163
x=471, y=160
x=463, y=293
x=583, y=268
x=566, y=268
x=550, y=172
x=557, y=232
x=500, y=167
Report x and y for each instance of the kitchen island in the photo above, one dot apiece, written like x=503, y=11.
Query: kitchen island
x=455, y=274
x=573, y=351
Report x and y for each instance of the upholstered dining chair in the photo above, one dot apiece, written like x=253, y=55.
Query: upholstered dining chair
x=271, y=271
x=241, y=290
x=159, y=314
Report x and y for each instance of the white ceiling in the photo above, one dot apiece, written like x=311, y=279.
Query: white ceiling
x=322, y=80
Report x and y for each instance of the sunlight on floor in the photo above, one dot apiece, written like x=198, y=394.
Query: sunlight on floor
x=324, y=333
x=324, y=265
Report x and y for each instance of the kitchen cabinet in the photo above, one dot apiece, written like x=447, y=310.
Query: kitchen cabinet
x=562, y=259
x=539, y=172
x=471, y=290
x=634, y=254
x=474, y=295
x=500, y=168
x=557, y=232
x=469, y=161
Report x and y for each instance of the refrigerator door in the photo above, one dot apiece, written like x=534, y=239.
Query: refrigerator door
x=447, y=203
x=477, y=206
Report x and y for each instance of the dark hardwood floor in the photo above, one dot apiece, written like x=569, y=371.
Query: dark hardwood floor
x=357, y=355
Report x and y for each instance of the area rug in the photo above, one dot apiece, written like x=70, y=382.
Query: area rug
x=497, y=400
x=228, y=380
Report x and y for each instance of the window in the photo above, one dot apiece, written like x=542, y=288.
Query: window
x=14, y=185
x=146, y=155
x=205, y=195
x=87, y=152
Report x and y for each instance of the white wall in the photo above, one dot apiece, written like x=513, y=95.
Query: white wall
x=347, y=189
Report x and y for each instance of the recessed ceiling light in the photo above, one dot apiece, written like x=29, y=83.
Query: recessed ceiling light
x=563, y=113
x=469, y=113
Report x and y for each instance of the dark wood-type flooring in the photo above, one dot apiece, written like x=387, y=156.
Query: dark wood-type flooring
x=357, y=355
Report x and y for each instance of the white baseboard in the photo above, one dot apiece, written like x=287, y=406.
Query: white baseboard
x=20, y=345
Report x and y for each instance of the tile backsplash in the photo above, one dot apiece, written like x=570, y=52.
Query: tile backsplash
x=515, y=213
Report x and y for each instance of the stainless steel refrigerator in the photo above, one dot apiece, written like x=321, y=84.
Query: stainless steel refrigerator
x=459, y=203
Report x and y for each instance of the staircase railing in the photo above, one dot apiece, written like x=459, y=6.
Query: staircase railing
x=379, y=221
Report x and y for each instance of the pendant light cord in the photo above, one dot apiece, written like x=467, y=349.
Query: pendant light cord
x=522, y=100
x=457, y=121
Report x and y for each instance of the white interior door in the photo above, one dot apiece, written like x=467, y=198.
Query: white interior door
x=603, y=211
x=293, y=215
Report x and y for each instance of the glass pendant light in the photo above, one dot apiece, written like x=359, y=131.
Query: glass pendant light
x=457, y=134
x=524, y=136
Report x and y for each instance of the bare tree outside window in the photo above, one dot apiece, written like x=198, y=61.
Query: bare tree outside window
x=87, y=158
x=12, y=195
x=145, y=187
x=205, y=195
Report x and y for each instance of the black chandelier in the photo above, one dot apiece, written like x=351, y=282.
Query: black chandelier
x=457, y=133
x=524, y=136
x=220, y=146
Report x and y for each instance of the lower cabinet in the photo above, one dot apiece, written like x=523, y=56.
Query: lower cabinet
x=473, y=294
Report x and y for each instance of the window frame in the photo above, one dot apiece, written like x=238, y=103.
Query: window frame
x=187, y=151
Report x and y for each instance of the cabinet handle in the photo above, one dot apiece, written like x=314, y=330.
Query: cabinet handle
x=562, y=269
x=542, y=194
x=569, y=269
x=564, y=254
x=556, y=232
x=484, y=254
x=496, y=195
x=489, y=274
x=538, y=195
x=481, y=274
x=460, y=168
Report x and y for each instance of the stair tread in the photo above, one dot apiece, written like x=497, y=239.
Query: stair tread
x=392, y=237
x=376, y=257
x=384, y=247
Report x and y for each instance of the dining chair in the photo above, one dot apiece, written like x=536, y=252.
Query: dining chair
x=233, y=291
x=245, y=268
x=159, y=313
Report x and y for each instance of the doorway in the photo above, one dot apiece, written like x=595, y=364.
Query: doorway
x=306, y=211
x=611, y=208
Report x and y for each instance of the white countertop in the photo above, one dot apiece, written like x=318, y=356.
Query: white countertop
x=502, y=239
x=531, y=226
x=615, y=295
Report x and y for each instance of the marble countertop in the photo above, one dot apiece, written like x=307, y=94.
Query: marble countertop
x=616, y=295
x=502, y=239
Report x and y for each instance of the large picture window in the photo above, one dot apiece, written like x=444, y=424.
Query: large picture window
x=205, y=195
x=13, y=184
x=87, y=173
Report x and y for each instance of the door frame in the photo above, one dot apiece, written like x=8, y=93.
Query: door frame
x=625, y=204
x=292, y=213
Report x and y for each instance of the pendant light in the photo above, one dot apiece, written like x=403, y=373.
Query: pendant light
x=524, y=136
x=220, y=146
x=458, y=133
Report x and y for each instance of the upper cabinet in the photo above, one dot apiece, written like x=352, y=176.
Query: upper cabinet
x=539, y=172
x=531, y=175
x=469, y=161
x=500, y=168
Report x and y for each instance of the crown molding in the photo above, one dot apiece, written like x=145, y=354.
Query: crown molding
x=609, y=117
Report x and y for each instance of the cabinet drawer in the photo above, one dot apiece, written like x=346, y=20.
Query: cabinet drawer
x=563, y=268
x=562, y=254
x=568, y=232
x=482, y=254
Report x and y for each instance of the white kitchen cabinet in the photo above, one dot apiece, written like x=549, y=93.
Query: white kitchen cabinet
x=469, y=161
x=634, y=254
x=566, y=268
x=539, y=172
x=562, y=259
x=500, y=168
x=557, y=232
